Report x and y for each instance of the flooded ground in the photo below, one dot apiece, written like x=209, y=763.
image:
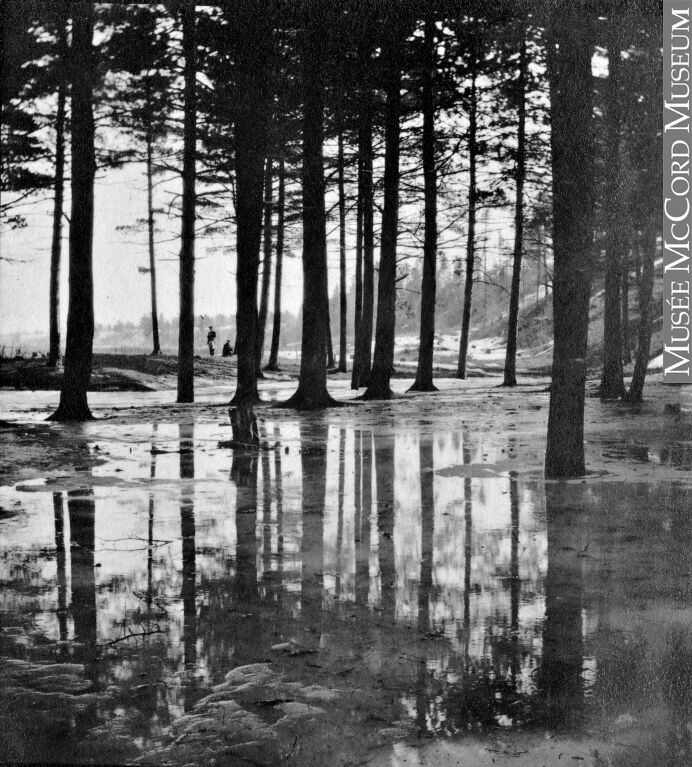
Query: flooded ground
x=383, y=584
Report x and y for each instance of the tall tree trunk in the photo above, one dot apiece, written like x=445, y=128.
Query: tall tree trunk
x=266, y=265
x=330, y=346
x=186, y=323
x=358, y=301
x=273, y=363
x=641, y=360
x=569, y=65
x=342, y=251
x=357, y=374
x=520, y=176
x=471, y=234
x=424, y=372
x=380, y=376
x=312, y=385
x=150, y=224
x=59, y=185
x=612, y=380
x=250, y=133
x=368, y=313
x=80, y=315
x=651, y=190
x=626, y=349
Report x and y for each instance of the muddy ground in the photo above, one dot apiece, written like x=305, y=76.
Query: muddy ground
x=383, y=584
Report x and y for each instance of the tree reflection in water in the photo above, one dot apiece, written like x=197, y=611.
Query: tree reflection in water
x=383, y=450
x=81, y=511
x=313, y=458
x=187, y=535
x=61, y=577
x=560, y=684
x=362, y=491
x=425, y=584
x=472, y=609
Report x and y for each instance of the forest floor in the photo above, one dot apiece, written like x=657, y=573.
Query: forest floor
x=141, y=372
x=386, y=584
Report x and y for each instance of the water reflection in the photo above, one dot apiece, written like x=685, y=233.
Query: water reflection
x=379, y=562
x=560, y=675
x=61, y=573
x=82, y=510
x=189, y=556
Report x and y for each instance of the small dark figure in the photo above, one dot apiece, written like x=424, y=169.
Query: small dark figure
x=226, y=351
x=211, y=338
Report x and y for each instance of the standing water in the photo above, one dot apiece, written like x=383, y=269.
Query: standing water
x=378, y=585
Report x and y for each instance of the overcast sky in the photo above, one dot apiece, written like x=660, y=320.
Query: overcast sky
x=121, y=292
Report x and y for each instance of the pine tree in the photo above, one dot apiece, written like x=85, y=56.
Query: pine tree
x=80, y=318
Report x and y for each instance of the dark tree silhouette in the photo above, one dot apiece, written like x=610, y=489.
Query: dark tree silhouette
x=510, y=378
x=80, y=315
x=473, y=200
x=186, y=331
x=646, y=151
x=383, y=362
x=424, y=372
x=266, y=263
x=342, y=249
x=612, y=383
x=569, y=64
x=312, y=385
x=273, y=363
x=254, y=41
x=58, y=189
x=365, y=242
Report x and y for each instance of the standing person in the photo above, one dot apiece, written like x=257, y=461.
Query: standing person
x=211, y=338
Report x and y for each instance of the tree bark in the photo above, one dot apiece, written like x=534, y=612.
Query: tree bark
x=358, y=302
x=266, y=265
x=367, y=317
x=424, y=372
x=383, y=362
x=330, y=346
x=186, y=323
x=273, y=363
x=520, y=171
x=625, y=310
x=150, y=225
x=569, y=66
x=80, y=316
x=612, y=380
x=250, y=133
x=59, y=188
x=312, y=384
x=641, y=360
x=651, y=190
x=471, y=234
x=342, y=251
